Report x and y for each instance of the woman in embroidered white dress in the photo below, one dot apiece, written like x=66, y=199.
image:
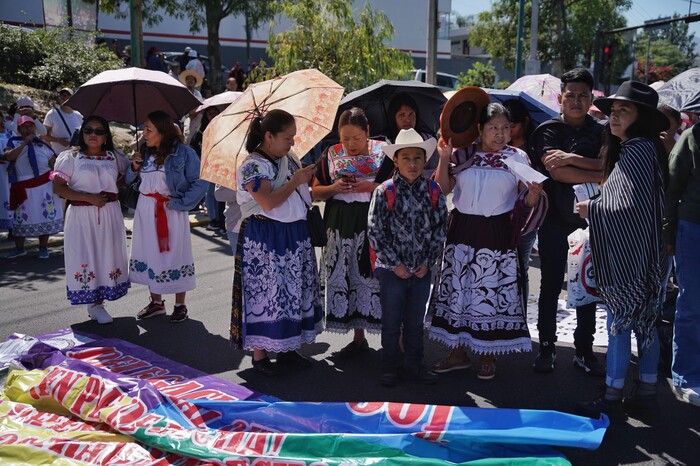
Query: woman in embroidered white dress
x=161, y=248
x=345, y=179
x=95, y=238
x=478, y=301
x=276, y=304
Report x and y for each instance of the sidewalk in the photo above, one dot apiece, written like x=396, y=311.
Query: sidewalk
x=197, y=218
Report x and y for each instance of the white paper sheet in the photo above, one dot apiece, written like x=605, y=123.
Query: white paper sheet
x=524, y=173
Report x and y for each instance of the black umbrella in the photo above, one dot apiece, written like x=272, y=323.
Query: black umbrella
x=683, y=91
x=374, y=100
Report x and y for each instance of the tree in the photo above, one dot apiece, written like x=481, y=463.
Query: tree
x=671, y=50
x=325, y=35
x=566, y=35
x=478, y=75
x=256, y=12
x=202, y=13
x=665, y=60
x=463, y=21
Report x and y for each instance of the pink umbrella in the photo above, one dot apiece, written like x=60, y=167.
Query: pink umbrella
x=543, y=87
x=221, y=101
x=128, y=95
x=309, y=95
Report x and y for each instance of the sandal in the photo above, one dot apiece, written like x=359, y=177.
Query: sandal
x=449, y=364
x=488, y=367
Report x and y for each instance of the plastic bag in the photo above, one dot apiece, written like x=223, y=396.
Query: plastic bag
x=580, y=282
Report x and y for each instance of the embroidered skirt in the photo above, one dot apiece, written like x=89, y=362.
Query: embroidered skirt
x=349, y=290
x=164, y=272
x=95, y=254
x=40, y=214
x=276, y=303
x=478, y=301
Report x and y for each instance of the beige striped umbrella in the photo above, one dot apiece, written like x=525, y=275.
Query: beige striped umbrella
x=309, y=95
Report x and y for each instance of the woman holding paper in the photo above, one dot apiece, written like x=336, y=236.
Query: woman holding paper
x=478, y=302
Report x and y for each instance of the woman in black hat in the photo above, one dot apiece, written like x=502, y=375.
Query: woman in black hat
x=628, y=252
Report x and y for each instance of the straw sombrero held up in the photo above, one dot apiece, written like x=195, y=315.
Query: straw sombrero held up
x=460, y=117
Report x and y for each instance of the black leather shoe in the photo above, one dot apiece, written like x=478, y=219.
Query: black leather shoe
x=293, y=359
x=593, y=409
x=265, y=366
x=353, y=349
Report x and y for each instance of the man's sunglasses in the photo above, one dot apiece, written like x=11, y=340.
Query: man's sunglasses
x=97, y=131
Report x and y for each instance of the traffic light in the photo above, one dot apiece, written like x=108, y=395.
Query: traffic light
x=607, y=56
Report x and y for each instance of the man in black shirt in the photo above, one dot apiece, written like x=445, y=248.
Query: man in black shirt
x=566, y=149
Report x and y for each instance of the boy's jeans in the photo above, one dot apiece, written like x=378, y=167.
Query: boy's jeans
x=403, y=302
x=686, y=329
x=619, y=354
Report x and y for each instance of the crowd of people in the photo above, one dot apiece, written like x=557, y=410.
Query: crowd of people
x=395, y=262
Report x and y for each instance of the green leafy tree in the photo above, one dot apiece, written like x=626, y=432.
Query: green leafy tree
x=482, y=75
x=461, y=21
x=671, y=50
x=566, y=35
x=665, y=59
x=326, y=35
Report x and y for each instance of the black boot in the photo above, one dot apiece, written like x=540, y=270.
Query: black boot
x=643, y=397
x=610, y=404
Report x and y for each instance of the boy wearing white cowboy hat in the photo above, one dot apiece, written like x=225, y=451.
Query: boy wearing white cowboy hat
x=406, y=229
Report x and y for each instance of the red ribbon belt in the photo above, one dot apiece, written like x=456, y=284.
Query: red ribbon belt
x=18, y=189
x=111, y=197
x=161, y=221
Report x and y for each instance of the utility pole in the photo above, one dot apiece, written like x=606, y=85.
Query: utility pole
x=136, y=32
x=519, y=40
x=431, y=48
x=532, y=64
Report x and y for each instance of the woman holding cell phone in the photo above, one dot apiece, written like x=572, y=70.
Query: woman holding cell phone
x=345, y=180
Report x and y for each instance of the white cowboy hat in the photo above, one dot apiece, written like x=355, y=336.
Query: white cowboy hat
x=411, y=138
x=185, y=74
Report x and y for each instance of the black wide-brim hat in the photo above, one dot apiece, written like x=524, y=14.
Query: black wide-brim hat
x=459, y=119
x=644, y=97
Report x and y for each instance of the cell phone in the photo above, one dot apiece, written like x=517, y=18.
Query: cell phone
x=349, y=178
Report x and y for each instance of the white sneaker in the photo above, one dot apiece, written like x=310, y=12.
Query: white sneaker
x=689, y=395
x=99, y=313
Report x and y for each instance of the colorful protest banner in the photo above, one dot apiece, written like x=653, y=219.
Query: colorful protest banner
x=107, y=401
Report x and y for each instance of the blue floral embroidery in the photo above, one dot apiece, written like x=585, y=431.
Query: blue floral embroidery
x=109, y=293
x=137, y=266
x=170, y=275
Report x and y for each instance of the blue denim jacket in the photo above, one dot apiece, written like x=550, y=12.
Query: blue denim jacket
x=182, y=177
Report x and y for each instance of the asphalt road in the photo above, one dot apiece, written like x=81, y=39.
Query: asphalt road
x=32, y=301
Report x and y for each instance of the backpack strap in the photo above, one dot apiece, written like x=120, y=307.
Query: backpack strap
x=434, y=190
x=390, y=193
